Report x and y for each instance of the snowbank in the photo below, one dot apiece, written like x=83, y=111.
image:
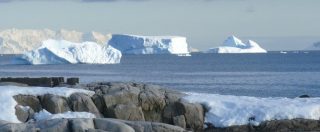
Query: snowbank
x=227, y=110
x=65, y=52
x=234, y=45
x=8, y=103
x=134, y=44
x=45, y=115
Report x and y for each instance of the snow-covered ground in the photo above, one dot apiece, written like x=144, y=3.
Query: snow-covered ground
x=134, y=44
x=234, y=45
x=65, y=52
x=228, y=110
x=45, y=115
x=8, y=103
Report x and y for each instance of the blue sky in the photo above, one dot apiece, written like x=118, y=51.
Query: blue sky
x=274, y=24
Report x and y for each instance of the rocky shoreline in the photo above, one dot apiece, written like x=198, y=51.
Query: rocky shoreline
x=128, y=107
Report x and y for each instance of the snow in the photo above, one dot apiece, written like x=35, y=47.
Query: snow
x=65, y=52
x=228, y=110
x=134, y=44
x=234, y=45
x=45, y=115
x=8, y=103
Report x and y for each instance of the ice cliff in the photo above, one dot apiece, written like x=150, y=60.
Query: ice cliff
x=134, y=44
x=234, y=45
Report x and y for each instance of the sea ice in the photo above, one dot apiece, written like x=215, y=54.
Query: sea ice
x=45, y=115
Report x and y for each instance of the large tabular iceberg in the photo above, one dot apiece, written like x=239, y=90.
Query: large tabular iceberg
x=134, y=44
x=65, y=52
x=234, y=45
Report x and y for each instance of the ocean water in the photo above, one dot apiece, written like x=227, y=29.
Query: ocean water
x=260, y=75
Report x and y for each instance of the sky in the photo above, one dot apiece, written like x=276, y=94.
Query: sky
x=274, y=24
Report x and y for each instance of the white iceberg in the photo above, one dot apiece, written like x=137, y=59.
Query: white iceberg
x=228, y=110
x=65, y=52
x=134, y=44
x=234, y=45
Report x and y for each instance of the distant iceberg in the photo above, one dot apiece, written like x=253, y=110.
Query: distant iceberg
x=65, y=52
x=134, y=44
x=234, y=45
x=314, y=46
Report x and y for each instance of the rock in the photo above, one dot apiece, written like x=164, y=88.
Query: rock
x=99, y=103
x=95, y=130
x=194, y=114
x=152, y=102
x=18, y=127
x=12, y=84
x=128, y=112
x=81, y=125
x=304, y=96
x=28, y=100
x=42, y=81
x=140, y=126
x=179, y=121
x=82, y=103
x=72, y=81
x=54, y=104
x=24, y=113
x=111, y=125
x=54, y=125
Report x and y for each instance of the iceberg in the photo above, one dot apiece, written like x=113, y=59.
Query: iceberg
x=314, y=46
x=134, y=44
x=65, y=52
x=234, y=45
x=229, y=110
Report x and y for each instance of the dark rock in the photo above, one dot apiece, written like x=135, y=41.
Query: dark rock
x=304, y=96
x=83, y=103
x=18, y=127
x=54, y=125
x=54, y=104
x=81, y=125
x=43, y=81
x=95, y=130
x=27, y=100
x=128, y=112
x=72, y=81
x=111, y=125
x=99, y=103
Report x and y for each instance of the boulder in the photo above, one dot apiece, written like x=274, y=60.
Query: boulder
x=54, y=125
x=54, y=104
x=193, y=113
x=81, y=125
x=18, y=127
x=24, y=113
x=82, y=103
x=128, y=112
x=28, y=100
x=99, y=103
x=141, y=126
x=111, y=125
x=179, y=121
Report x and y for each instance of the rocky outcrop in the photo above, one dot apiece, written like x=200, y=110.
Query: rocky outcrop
x=93, y=125
x=297, y=125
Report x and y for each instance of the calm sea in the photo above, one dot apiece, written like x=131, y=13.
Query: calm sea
x=263, y=75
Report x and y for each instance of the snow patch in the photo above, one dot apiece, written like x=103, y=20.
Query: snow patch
x=65, y=52
x=234, y=45
x=228, y=110
x=8, y=103
x=45, y=115
x=134, y=44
